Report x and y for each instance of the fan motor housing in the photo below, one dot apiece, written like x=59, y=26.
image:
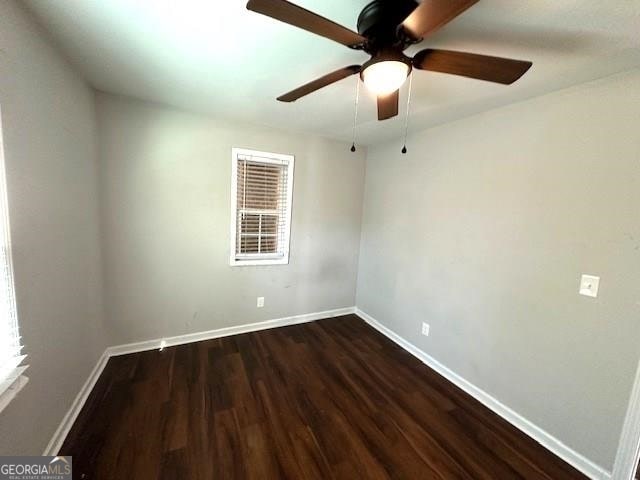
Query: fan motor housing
x=379, y=22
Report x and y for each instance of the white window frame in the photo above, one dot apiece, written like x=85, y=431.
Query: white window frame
x=11, y=385
x=260, y=258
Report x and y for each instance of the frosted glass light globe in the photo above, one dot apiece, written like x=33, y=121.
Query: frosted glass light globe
x=383, y=78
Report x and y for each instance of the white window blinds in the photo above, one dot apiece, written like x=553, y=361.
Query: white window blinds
x=10, y=348
x=261, y=207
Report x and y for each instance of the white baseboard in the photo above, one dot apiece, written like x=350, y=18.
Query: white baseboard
x=547, y=440
x=225, y=332
x=67, y=422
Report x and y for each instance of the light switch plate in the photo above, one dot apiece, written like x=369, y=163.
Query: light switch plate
x=425, y=329
x=589, y=285
x=260, y=302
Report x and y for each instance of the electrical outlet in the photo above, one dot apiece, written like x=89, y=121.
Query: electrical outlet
x=260, y=302
x=425, y=329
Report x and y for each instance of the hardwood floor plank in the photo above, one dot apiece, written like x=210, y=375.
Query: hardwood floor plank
x=174, y=465
x=332, y=399
x=227, y=460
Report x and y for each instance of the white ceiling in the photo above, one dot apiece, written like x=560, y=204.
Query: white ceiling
x=214, y=56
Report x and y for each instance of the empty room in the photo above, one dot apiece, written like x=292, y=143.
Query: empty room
x=319, y=239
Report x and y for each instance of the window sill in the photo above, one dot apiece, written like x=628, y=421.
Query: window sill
x=254, y=262
x=10, y=393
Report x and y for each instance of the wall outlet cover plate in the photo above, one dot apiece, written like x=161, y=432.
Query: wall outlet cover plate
x=589, y=285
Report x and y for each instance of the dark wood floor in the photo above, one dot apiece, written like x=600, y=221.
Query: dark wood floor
x=328, y=399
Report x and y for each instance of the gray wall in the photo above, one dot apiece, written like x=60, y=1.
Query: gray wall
x=166, y=180
x=483, y=230
x=48, y=124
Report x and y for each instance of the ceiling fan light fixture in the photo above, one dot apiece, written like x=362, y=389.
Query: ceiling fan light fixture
x=385, y=77
x=385, y=30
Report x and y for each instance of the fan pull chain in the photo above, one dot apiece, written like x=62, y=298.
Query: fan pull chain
x=406, y=119
x=355, y=115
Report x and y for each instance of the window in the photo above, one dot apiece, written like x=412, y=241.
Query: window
x=11, y=378
x=261, y=192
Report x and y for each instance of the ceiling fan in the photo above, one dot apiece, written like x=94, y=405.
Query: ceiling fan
x=386, y=28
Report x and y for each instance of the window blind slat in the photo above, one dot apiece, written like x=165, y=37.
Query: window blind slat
x=10, y=364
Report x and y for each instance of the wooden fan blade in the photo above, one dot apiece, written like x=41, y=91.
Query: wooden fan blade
x=482, y=67
x=302, y=18
x=319, y=83
x=430, y=15
x=388, y=105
